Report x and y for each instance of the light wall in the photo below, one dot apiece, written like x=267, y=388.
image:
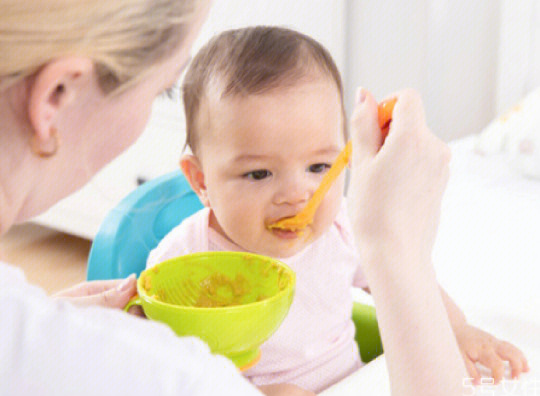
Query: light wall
x=519, y=51
x=445, y=49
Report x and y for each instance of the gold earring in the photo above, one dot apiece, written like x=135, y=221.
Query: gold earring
x=51, y=147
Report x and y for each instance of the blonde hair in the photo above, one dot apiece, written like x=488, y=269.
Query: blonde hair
x=124, y=38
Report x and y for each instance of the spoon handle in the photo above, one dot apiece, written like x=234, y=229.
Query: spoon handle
x=305, y=217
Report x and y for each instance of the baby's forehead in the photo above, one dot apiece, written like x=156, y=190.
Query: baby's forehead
x=307, y=110
x=316, y=89
x=218, y=96
x=221, y=113
x=222, y=85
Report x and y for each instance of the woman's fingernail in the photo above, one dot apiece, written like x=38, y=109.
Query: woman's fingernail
x=124, y=285
x=360, y=95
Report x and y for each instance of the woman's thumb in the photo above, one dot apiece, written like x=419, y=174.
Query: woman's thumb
x=364, y=126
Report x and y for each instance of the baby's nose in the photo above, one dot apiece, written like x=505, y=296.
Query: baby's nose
x=294, y=192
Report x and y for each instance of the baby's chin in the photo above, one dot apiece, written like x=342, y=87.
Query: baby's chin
x=282, y=253
x=282, y=247
x=285, y=249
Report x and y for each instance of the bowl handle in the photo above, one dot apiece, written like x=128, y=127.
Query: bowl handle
x=135, y=300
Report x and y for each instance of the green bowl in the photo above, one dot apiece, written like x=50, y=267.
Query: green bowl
x=233, y=301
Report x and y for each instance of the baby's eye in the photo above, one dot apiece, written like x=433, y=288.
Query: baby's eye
x=319, y=168
x=258, y=174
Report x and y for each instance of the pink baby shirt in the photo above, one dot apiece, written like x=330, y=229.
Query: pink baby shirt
x=314, y=347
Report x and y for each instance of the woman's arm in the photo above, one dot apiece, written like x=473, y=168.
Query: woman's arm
x=395, y=195
x=420, y=348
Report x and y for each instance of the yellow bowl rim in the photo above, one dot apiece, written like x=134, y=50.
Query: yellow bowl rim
x=277, y=296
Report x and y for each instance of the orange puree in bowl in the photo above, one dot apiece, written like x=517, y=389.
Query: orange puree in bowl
x=211, y=285
x=305, y=217
x=216, y=289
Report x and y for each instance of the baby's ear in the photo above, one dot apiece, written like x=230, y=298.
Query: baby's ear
x=192, y=169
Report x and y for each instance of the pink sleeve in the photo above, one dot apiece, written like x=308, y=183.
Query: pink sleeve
x=344, y=226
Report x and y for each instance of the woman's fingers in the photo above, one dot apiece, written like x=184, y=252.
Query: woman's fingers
x=409, y=112
x=113, y=293
x=364, y=126
x=90, y=288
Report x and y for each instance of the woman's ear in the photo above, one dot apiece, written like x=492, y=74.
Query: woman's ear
x=192, y=169
x=54, y=87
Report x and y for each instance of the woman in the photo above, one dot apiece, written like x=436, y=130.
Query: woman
x=77, y=81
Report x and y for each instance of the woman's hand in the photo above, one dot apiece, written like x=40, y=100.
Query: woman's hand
x=394, y=200
x=108, y=293
x=396, y=188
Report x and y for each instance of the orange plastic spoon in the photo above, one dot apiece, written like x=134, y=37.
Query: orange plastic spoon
x=305, y=216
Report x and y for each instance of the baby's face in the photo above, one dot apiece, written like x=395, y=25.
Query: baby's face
x=263, y=156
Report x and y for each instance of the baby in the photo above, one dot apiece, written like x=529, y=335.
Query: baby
x=265, y=121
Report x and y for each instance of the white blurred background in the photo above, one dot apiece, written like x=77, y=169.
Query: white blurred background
x=470, y=60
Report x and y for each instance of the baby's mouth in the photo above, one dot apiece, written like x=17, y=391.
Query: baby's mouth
x=273, y=224
x=282, y=232
x=286, y=234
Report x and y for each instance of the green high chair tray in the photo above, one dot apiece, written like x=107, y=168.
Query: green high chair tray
x=136, y=225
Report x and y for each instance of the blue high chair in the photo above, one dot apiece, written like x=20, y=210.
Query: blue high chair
x=136, y=225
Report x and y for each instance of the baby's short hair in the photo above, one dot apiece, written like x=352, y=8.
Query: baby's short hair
x=252, y=61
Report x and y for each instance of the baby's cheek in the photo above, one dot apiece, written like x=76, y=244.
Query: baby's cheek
x=325, y=216
x=242, y=218
x=332, y=203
